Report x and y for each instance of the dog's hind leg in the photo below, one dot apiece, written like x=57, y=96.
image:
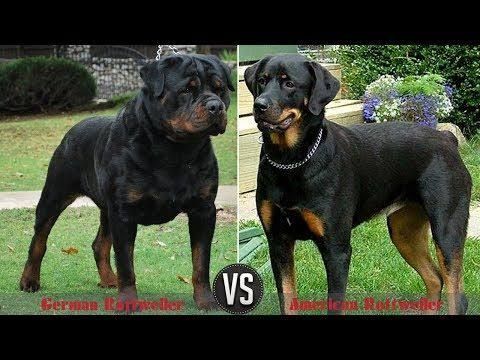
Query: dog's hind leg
x=409, y=231
x=55, y=198
x=101, y=251
x=449, y=234
x=445, y=189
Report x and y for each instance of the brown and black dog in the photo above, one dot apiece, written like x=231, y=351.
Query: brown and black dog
x=318, y=180
x=151, y=162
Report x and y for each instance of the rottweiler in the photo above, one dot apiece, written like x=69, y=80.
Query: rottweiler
x=151, y=162
x=317, y=180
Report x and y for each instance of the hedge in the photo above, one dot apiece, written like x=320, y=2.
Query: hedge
x=39, y=84
x=458, y=64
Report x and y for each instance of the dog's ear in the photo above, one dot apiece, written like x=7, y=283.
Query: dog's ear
x=324, y=89
x=153, y=77
x=225, y=70
x=251, y=72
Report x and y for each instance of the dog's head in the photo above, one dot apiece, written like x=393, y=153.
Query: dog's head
x=287, y=87
x=187, y=96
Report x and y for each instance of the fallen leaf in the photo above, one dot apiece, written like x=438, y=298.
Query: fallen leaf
x=214, y=242
x=11, y=248
x=70, y=251
x=160, y=243
x=19, y=174
x=226, y=258
x=184, y=279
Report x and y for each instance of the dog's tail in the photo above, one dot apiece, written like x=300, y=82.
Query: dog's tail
x=450, y=136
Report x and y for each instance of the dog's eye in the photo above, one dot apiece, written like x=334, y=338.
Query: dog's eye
x=289, y=84
x=262, y=81
x=187, y=90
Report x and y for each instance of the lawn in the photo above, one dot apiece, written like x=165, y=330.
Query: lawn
x=27, y=144
x=162, y=258
x=377, y=269
x=471, y=156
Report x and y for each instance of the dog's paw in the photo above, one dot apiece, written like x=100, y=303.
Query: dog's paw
x=128, y=301
x=206, y=302
x=108, y=283
x=29, y=285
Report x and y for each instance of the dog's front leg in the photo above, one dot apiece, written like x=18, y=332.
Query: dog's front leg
x=123, y=238
x=336, y=252
x=281, y=247
x=201, y=225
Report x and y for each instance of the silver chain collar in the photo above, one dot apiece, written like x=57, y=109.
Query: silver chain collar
x=298, y=163
x=160, y=49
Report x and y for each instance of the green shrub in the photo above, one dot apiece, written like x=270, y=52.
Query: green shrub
x=228, y=55
x=44, y=83
x=458, y=64
x=120, y=100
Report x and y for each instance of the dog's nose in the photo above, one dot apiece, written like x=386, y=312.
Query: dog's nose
x=214, y=106
x=260, y=104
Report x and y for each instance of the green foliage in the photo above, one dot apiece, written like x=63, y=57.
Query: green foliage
x=120, y=100
x=39, y=84
x=458, y=64
x=226, y=55
x=430, y=84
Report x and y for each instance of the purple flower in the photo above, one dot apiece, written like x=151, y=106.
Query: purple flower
x=369, y=108
x=421, y=109
x=448, y=91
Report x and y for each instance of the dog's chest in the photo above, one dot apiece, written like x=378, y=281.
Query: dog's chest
x=287, y=193
x=160, y=199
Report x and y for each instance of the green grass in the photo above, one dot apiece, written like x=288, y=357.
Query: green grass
x=226, y=147
x=376, y=269
x=471, y=156
x=27, y=144
x=75, y=276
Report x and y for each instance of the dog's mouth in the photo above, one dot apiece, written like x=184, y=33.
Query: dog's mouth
x=217, y=129
x=279, y=126
x=189, y=130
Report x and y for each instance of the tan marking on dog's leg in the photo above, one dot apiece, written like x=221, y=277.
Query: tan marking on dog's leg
x=409, y=231
x=452, y=278
x=314, y=222
x=101, y=250
x=289, y=288
x=206, y=190
x=282, y=259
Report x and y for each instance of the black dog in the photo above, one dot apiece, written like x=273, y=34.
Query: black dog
x=145, y=166
x=317, y=180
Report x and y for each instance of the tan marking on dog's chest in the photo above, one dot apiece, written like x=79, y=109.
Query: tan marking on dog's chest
x=266, y=212
x=134, y=195
x=289, y=138
x=314, y=222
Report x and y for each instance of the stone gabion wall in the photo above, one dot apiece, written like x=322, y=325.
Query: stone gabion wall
x=114, y=76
